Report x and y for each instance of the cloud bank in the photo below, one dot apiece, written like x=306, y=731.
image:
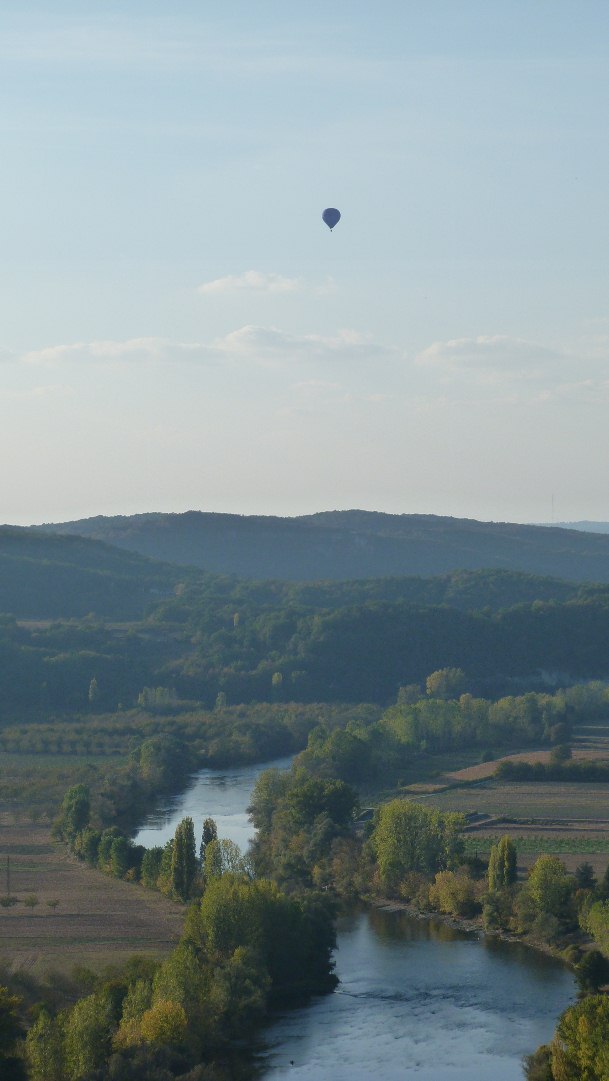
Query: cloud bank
x=250, y=343
x=496, y=353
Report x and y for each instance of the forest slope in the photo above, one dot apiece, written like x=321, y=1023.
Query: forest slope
x=46, y=576
x=349, y=544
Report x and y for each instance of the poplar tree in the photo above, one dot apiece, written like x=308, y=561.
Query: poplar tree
x=210, y=833
x=502, y=865
x=183, y=859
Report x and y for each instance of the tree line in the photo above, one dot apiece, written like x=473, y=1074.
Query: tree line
x=422, y=724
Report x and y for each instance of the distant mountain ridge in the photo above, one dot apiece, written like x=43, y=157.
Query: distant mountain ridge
x=583, y=526
x=352, y=544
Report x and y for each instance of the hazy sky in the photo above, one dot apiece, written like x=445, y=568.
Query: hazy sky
x=180, y=330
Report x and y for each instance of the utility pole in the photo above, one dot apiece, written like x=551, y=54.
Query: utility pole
x=8, y=876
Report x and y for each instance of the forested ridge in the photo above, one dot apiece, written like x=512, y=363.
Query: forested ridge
x=47, y=576
x=198, y=649
x=349, y=544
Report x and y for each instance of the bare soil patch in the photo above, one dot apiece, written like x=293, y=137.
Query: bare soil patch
x=98, y=920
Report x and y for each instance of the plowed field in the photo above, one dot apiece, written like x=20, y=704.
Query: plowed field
x=98, y=920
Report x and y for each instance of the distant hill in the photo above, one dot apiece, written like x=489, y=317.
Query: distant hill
x=584, y=526
x=47, y=576
x=341, y=545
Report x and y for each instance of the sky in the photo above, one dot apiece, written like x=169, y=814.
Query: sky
x=179, y=329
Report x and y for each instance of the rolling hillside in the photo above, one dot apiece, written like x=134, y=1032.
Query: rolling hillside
x=349, y=545
x=47, y=576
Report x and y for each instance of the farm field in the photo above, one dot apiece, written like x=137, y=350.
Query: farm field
x=522, y=800
x=567, y=820
x=484, y=770
x=32, y=786
x=98, y=920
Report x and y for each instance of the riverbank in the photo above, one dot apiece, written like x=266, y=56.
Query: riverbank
x=473, y=925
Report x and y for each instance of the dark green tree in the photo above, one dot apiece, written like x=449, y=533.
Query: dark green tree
x=592, y=971
x=584, y=877
x=104, y=849
x=120, y=857
x=151, y=866
x=183, y=859
x=74, y=813
x=210, y=833
x=11, y=1031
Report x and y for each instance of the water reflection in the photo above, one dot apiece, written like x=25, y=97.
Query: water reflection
x=223, y=795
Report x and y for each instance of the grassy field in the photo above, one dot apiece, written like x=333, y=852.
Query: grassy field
x=537, y=843
x=97, y=920
x=32, y=786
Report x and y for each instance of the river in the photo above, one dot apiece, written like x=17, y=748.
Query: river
x=417, y=1000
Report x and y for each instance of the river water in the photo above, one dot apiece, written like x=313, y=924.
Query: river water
x=221, y=794
x=417, y=1000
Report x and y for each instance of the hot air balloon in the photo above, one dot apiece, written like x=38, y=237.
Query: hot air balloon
x=331, y=216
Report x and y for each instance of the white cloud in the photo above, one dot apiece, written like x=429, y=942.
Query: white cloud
x=251, y=344
x=253, y=281
x=495, y=354
x=139, y=349
x=269, y=344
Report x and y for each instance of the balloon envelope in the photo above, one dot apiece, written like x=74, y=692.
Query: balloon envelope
x=331, y=216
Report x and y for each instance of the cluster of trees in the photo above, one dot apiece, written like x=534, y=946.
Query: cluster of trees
x=427, y=724
x=181, y=869
x=273, y=642
x=228, y=734
x=245, y=946
x=409, y=839
x=579, y=1050
x=365, y=652
x=120, y=796
x=174, y=869
x=303, y=823
x=588, y=772
x=307, y=835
